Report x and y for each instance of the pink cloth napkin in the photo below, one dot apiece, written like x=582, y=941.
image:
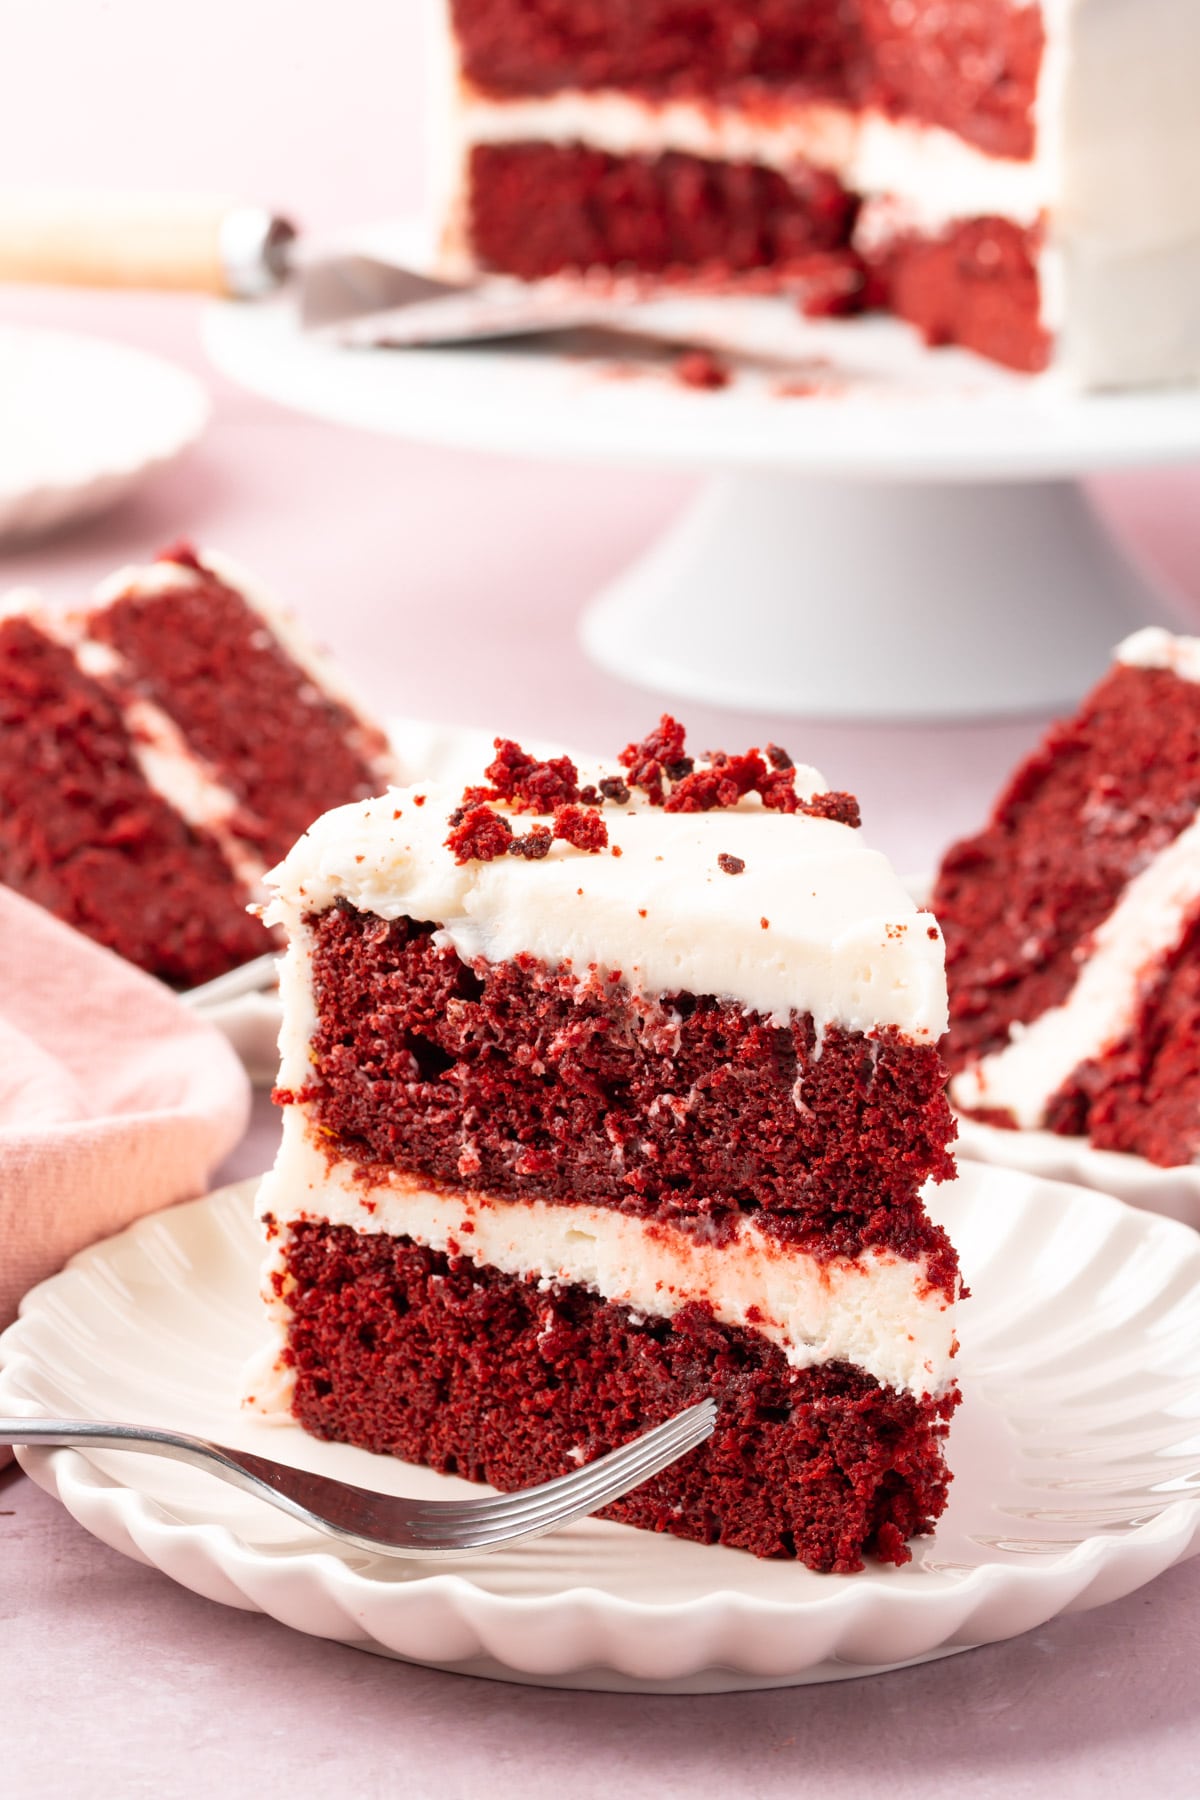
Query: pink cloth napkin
x=114, y=1098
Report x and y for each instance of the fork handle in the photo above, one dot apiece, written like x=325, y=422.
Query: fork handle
x=106, y=1435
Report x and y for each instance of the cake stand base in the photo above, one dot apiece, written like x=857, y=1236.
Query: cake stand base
x=866, y=600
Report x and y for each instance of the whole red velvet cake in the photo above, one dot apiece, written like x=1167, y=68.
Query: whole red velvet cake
x=159, y=750
x=600, y=1098
x=989, y=170
x=1072, y=921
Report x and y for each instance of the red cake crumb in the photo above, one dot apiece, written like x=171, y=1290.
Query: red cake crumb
x=581, y=827
x=411, y=1353
x=838, y=806
x=528, y=784
x=480, y=836
x=533, y=844
x=702, y=369
x=184, y=554
x=732, y=865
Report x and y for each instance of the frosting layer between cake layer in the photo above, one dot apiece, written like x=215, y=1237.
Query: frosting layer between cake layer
x=815, y=922
x=876, y=1311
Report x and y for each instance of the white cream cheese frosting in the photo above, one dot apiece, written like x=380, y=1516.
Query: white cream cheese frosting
x=816, y=921
x=876, y=1311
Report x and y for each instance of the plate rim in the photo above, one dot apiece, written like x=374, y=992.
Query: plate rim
x=50, y=501
x=1154, y=1544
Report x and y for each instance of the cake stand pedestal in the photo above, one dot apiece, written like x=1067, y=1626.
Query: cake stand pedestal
x=839, y=599
x=886, y=531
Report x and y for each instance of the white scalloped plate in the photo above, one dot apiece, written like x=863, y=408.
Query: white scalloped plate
x=1077, y=1458
x=85, y=422
x=1174, y=1192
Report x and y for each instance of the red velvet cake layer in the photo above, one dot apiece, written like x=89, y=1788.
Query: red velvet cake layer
x=209, y=661
x=975, y=285
x=535, y=1085
x=1143, y=1096
x=83, y=833
x=1103, y=794
x=406, y=1352
x=971, y=68
x=542, y=209
x=539, y=209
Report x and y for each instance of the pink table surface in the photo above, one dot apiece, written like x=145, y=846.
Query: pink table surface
x=449, y=585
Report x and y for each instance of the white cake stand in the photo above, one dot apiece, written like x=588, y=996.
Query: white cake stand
x=904, y=538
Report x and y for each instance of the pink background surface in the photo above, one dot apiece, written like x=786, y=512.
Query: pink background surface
x=449, y=585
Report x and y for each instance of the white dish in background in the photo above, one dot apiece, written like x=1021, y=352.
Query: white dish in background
x=1076, y=1452
x=84, y=423
x=1173, y=1192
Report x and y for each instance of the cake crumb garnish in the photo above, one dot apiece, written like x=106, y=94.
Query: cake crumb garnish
x=669, y=778
x=765, y=923
x=418, y=799
x=731, y=865
x=478, y=835
x=701, y=369
x=658, y=765
x=582, y=827
x=528, y=784
x=532, y=844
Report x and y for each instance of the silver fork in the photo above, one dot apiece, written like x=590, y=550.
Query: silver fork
x=386, y=1522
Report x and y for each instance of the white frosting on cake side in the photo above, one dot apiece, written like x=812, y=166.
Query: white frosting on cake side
x=876, y=1311
x=1147, y=923
x=816, y=922
x=939, y=176
x=1154, y=648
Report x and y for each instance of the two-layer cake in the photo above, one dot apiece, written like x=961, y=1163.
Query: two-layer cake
x=601, y=1098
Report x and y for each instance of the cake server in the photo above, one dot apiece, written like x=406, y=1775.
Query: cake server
x=373, y=286
x=440, y=1529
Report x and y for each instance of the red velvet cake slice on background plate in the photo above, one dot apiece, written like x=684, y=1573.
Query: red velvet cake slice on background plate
x=990, y=172
x=599, y=1099
x=1072, y=925
x=159, y=750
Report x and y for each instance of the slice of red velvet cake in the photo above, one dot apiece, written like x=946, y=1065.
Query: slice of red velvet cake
x=1072, y=921
x=159, y=751
x=596, y=1101
x=1008, y=175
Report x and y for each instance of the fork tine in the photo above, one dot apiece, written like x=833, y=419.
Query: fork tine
x=441, y=1513
x=557, y=1502
x=532, y=1526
